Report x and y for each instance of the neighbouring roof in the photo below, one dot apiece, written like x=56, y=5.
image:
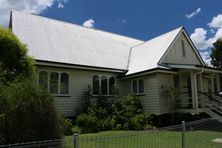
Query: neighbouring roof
x=56, y=41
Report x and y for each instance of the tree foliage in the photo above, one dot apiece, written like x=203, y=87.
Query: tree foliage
x=14, y=62
x=27, y=113
x=216, y=55
x=30, y=114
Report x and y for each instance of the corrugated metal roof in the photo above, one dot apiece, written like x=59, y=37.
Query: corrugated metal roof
x=57, y=41
x=147, y=55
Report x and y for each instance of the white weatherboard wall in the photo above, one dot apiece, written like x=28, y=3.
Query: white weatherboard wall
x=164, y=80
x=150, y=99
x=78, y=84
x=175, y=54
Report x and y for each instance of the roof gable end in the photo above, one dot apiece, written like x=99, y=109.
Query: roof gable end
x=193, y=57
x=146, y=56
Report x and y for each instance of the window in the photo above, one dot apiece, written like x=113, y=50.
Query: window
x=43, y=80
x=103, y=85
x=54, y=82
x=138, y=86
x=135, y=86
x=141, y=86
x=111, y=85
x=183, y=48
x=64, y=85
x=96, y=85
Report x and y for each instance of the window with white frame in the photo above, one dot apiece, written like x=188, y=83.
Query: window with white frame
x=138, y=86
x=55, y=83
x=111, y=85
x=135, y=87
x=141, y=86
x=64, y=83
x=96, y=85
x=103, y=84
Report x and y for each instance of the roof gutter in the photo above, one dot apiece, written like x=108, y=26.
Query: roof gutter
x=74, y=66
x=152, y=71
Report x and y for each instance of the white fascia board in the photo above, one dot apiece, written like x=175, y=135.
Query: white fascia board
x=149, y=72
x=211, y=70
x=60, y=65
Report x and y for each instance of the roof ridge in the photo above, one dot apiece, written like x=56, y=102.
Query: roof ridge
x=158, y=36
x=77, y=25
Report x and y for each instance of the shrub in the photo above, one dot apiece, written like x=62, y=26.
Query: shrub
x=30, y=115
x=121, y=114
x=131, y=104
x=140, y=121
x=67, y=125
x=88, y=123
x=123, y=110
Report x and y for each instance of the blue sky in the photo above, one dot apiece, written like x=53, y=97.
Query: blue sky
x=142, y=19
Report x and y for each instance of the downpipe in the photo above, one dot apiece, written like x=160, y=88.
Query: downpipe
x=195, y=85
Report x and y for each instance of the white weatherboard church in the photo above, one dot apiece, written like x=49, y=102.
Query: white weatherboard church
x=70, y=57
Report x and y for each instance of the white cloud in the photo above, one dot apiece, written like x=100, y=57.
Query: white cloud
x=30, y=6
x=191, y=15
x=206, y=56
x=90, y=23
x=212, y=31
x=123, y=21
x=61, y=3
x=199, y=37
x=216, y=22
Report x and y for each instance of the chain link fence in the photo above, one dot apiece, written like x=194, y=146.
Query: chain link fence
x=205, y=133
x=196, y=134
x=59, y=143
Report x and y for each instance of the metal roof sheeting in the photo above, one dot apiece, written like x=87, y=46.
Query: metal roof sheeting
x=57, y=41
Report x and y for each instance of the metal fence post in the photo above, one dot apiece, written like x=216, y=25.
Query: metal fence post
x=76, y=136
x=183, y=134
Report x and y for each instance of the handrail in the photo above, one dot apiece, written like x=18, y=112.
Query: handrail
x=212, y=98
x=219, y=95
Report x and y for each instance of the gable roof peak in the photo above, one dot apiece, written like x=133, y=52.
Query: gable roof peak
x=146, y=55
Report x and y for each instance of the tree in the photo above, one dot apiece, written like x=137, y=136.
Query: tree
x=30, y=114
x=216, y=55
x=27, y=113
x=14, y=62
x=170, y=94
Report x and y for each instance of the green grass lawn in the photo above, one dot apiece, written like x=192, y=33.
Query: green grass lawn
x=157, y=139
